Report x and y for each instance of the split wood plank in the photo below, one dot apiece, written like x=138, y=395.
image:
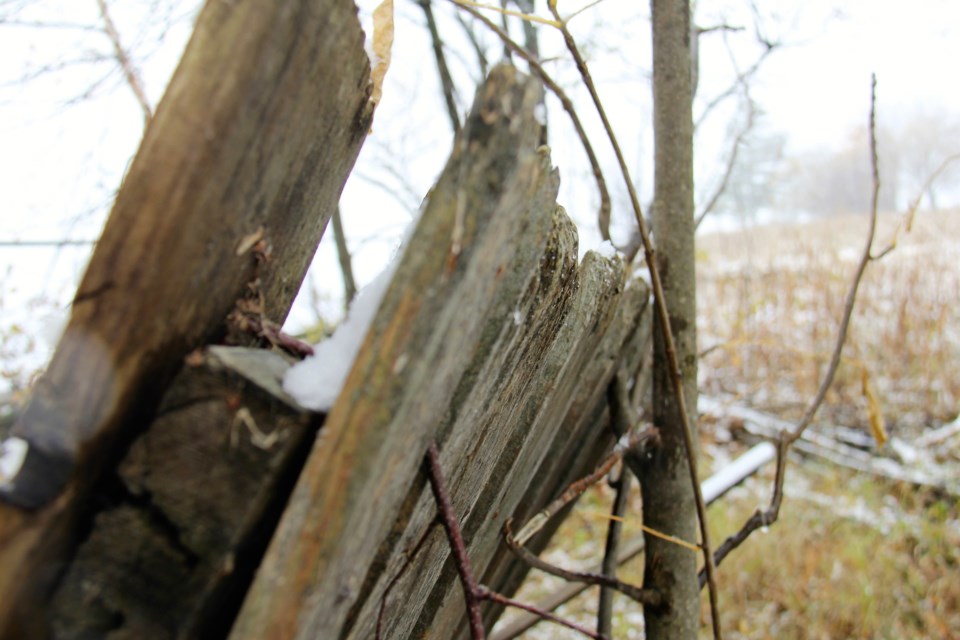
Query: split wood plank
x=485, y=351
x=258, y=130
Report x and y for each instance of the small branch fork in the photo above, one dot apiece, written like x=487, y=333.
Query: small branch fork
x=633, y=443
x=765, y=518
x=611, y=550
x=474, y=593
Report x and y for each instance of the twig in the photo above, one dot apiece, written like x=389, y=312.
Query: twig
x=740, y=80
x=603, y=214
x=477, y=49
x=130, y=72
x=474, y=593
x=582, y=9
x=605, y=606
x=765, y=518
x=457, y=547
x=664, y=318
x=858, y=276
x=443, y=70
x=713, y=489
x=506, y=12
x=504, y=23
x=650, y=597
x=343, y=257
x=640, y=437
x=915, y=204
x=731, y=162
x=529, y=29
x=493, y=596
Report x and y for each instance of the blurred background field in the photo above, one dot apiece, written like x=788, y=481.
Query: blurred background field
x=852, y=555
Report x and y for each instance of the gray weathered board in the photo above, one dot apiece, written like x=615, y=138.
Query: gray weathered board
x=501, y=352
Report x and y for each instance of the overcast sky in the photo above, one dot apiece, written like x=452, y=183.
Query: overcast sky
x=68, y=133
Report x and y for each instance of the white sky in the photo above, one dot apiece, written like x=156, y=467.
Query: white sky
x=61, y=157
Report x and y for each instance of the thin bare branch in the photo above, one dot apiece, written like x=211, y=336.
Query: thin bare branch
x=582, y=9
x=907, y=221
x=650, y=597
x=446, y=82
x=742, y=78
x=664, y=318
x=506, y=12
x=130, y=72
x=474, y=593
x=457, y=546
x=765, y=518
x=731, y=160
x=645, y=436
x=854, y=285
x=493, y=596
x=713, y=488
x=530, y=41
x=603, y=213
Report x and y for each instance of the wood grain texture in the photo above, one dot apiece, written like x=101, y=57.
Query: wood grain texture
x=419, y=347
x=501, y=354
x=259, y=127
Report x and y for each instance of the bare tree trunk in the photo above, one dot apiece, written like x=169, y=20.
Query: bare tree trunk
x=668, y=501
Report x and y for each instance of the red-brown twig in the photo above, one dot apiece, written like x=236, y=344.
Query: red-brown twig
x=493, y=596
x=765, y=518
x=449, y=520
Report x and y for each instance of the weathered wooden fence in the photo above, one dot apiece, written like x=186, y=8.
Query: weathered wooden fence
x=215, y=505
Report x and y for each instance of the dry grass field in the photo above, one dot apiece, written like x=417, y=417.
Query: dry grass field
x=852, y=556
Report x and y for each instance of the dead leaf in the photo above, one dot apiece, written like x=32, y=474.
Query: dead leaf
x=382, y=46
